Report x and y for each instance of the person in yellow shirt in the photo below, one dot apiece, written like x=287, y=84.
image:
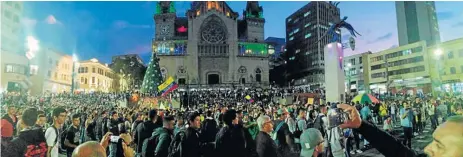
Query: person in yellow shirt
x=383, y=111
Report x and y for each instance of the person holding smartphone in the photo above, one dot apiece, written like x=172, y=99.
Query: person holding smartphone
x=406, y=121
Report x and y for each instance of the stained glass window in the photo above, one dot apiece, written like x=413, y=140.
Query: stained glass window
x=171, y=48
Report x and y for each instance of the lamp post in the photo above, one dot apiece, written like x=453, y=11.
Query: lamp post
x=74, y=61
x=438, y=53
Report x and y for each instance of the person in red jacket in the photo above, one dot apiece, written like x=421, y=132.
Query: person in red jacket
x=8, y=124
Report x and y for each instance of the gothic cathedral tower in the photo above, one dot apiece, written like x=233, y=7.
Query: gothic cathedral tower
x=253, y=15
x=165, y=20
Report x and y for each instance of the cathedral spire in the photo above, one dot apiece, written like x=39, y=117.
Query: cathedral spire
x=253, y=10
x=163, y=7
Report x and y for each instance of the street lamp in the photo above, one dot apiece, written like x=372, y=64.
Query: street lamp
x=438, y=53
x=74, y=61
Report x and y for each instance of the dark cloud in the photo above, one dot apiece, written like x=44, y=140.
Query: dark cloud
x=459, y=24
x=446, y=15
x=381, y=38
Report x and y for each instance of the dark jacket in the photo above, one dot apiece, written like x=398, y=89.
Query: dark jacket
x=265, y=146
x=385, y=143
x=165, y=137
x=113, y=126
x=230, y=142
x=144, y=131
x=18, y=146
x=209, y=130
x=192, y=143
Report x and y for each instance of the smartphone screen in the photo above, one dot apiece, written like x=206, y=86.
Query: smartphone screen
x=115, y=139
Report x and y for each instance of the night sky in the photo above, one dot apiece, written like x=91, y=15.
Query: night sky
x=104, y=29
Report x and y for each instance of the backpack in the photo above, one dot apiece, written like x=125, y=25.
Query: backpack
x=318, y=124
x=176, y=146
x=149, y=146
x=36, y=150
x=63, y=148
x=275, y=133
x=57, y=136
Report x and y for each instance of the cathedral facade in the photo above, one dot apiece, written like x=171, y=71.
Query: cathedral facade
x=211, y=45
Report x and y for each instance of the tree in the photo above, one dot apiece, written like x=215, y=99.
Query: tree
x=153, y=77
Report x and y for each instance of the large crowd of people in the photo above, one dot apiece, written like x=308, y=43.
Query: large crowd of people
x=234, y=123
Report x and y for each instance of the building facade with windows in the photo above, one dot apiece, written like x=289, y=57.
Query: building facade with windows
x=446, y=65
x=403, y=69
x=94, y=76
x=277, y=62
x=416, y=21
x=355, y=73
x=51, y=72
x=13, y=61
x=304, y=54
x=211, y=46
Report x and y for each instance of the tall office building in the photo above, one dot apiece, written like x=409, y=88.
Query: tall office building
x=416, y=21
x=13, y=61
x=305, y=56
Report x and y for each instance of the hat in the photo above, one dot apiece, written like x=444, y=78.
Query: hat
x=309, y=139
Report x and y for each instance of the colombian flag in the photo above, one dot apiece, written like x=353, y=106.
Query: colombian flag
x=168, y=86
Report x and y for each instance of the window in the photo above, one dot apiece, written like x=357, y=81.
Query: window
x=93, y=79
x=360, y=60
x=258, y=75
x=308, y=35
x=450, y=55
x=307, y=14
x=55, y=75
x=453, y=70
x=291, y=38
x=83, y=70
x=375, y=67
x=7, y=13
x=298, y=50
x=15, y=68
x=352, y=61
x=377, y=75
x=33, y=69
x=82, y=80
x=16, y=5
x=307, y=25
x=9, y=68
x=15, y=18
x=93, y=70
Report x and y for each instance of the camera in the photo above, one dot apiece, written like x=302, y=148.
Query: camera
x=115, y=139
x=336, y=117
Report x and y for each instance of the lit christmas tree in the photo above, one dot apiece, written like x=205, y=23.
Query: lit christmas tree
x=153, y=77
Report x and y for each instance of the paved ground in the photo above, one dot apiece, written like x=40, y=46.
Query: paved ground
x=418, y=143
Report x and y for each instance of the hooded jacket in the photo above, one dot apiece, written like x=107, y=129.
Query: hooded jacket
x=18, y=146
x=165, y=137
